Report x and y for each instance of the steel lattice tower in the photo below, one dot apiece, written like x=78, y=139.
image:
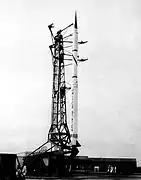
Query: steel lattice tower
x=59, y=138
x=59, y=133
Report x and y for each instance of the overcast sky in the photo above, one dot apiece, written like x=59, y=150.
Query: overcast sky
x=109, y=82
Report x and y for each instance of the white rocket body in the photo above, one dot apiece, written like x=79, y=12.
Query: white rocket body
x=74, y=120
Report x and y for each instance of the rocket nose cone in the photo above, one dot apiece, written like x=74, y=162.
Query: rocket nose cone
x=75, y=24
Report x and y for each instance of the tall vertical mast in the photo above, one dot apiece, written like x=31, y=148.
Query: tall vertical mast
x=74, y=120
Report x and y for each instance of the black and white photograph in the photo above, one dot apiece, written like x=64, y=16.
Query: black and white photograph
x=70, y=89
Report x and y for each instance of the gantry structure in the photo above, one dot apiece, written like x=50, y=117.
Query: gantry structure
x=59, y=136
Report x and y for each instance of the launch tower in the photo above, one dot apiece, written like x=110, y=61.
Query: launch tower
x=59, y=137
x=59, y=134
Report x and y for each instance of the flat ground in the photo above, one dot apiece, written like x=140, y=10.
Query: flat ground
x=99, y=177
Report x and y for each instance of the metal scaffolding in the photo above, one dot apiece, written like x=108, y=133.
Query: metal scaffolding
x=59, y=132
x=59, y=139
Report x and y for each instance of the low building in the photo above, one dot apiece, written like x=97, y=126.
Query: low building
x=106, y=165
x=54, y=163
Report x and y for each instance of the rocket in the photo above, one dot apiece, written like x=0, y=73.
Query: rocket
x=74, y=118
